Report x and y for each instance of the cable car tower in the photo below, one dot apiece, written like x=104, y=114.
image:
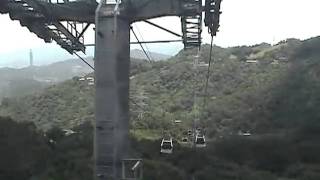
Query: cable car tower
x=66, y=21
x=112, y=63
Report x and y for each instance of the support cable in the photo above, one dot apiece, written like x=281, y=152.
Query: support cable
x=83, y=31
x=146, y=42
x=206, y=86
x=82, y=59
x=195, y=122
x=148, y=50
x=135, y=35
x=208, y=74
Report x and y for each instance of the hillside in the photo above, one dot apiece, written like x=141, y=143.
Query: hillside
x=29, y=80
x=239, y=91
x=139, y=54
x=271, y=91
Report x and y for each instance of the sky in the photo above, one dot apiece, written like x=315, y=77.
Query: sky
x=243, y=22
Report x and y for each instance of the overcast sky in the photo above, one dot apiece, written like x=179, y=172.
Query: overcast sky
x=243, y=22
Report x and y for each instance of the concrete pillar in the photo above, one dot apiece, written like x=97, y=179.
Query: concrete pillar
x=112, y=64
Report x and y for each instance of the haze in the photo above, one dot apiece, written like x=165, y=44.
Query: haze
x=244, y=22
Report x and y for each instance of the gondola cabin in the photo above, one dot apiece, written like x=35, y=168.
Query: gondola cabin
x=166, y=146
x=200, y=141
x=185, y=140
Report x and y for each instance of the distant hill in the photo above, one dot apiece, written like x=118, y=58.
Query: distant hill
x=20, y=82
x=51, y=53
x=139, y=54
x=24, y=81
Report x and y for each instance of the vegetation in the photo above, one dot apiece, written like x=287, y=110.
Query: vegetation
x=271, y=91
x=27, y=153
x=30, y=154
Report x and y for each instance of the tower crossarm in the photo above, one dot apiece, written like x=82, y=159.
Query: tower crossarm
x=80, y=11
x=65, y=23
x=148, y=9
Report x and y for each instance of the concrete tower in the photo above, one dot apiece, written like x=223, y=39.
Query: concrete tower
x=31, y=58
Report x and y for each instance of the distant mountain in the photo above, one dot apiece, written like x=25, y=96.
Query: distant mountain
x=25, y=81
x=139, y=54
x=20, y=82
x=51, y=53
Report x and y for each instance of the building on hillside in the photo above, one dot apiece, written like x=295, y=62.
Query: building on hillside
x=91, y=83
x=251, y=61
x=90, y=79
x=82, y=79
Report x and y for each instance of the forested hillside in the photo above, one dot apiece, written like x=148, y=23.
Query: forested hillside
x=271, y=91
x=250, y=88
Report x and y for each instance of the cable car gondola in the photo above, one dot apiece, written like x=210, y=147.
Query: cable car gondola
x=185, y=140
x=200, y=141
x=166, y=146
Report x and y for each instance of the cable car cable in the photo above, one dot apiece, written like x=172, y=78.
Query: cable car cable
x=147, y=48
x=135, y=35
x=82, y=59
x=208, y=74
